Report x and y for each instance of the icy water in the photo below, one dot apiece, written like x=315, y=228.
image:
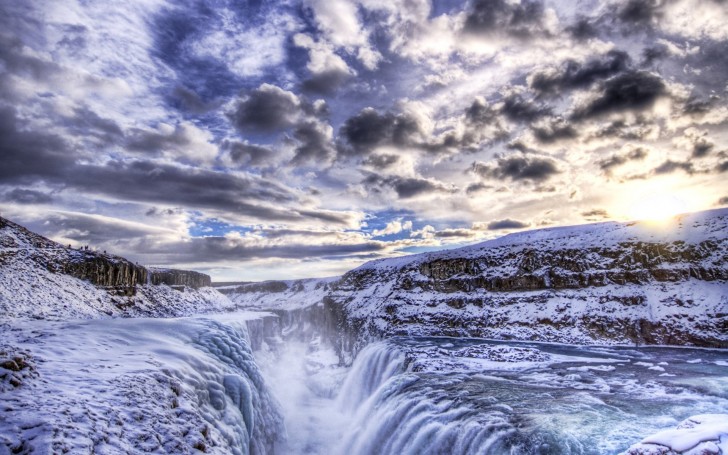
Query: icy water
x=469, y=396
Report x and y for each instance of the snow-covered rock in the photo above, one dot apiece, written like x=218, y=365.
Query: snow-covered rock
x=705, y=434
x=637, y=283
x=42, y=279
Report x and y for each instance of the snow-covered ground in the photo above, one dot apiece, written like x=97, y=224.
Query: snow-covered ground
x=280, y=295
x=187, y=385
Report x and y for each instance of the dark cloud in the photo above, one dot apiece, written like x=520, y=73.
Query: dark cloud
x=411, y=187
x=595, y=214
x=518, y=109
x=476, y=188
x=670, y=166
x=583, y=28
x=616, y=160
x=573, y=75
x=29, y=155
x=325, y=83
x=631, y=91
x=506, y=224
x=481, y=113
x=517, y=168
x=381, y=161
x=523, y=19
x=639, y=12
x=697, y=107
x=723, y=200
x=188, y=100
x=654, y=53
x=638, y=130
x=553, y=130
x=25, y=196
x=247, y=155
x=265, y=109
x=369, y=129
x=314, y=144
x=157, y=141
x=454, y=233
x=20, y=63
x=722, y=167
x=701, y=147
x=406, y=187
x=87, y=122
x=214, y=249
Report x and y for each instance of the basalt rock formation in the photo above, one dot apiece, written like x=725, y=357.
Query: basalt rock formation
x=636, y=283
x=179, y=278
x=115, y=273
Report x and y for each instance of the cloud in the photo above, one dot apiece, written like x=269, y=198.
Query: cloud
x=723, y=201
x=670, y=166
x=517, y=168
x=26, y=196
x=393, y=227
x=636, y=154
x=266, y=109
x=369, y=129
x=639, y=12
x=631, y=91
x=380, y=161
x=518, y=109
x=314, y=143
x=553, y=130
x=28, y=155
x=506, y=224
x=573, y=75
x=328, y=70
x=183, y=140
x=339, y=22
x=246, y=155
x=407, y=187
x=190, y=101
x=595, y=214
x=519, y=19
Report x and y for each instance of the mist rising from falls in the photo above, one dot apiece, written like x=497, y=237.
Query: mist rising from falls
x=430, y=396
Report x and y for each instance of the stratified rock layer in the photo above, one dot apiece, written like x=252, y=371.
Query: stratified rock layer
x=634, y=283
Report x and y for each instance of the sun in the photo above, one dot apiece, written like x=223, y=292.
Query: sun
x=656, y=207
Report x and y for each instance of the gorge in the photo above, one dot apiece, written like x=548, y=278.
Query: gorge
x=583, y=340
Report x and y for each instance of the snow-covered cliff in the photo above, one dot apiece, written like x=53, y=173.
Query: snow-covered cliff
x=42, y=279
x=610, y=282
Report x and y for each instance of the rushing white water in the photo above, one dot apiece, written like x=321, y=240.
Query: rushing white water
x=469, y=396
x=180, y=385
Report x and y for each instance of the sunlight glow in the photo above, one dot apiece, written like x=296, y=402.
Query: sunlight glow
x=657, y=207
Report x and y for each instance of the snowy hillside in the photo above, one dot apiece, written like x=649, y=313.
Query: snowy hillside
x=42, y=279
x=611, y=282
x=279, y=295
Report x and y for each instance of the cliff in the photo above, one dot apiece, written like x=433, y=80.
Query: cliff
x=637, y=283
x=43, y=279
x=179, y=278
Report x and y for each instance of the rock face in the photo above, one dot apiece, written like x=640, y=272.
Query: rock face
x=179, y=278
x=40, y=278
x=605, y=283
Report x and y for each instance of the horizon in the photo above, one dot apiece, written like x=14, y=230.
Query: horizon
x=300, y=139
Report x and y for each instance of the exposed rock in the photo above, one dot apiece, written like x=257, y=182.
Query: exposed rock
x=604, y=283
x=174, y=277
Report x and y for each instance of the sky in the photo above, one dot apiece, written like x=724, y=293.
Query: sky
x=259, y=140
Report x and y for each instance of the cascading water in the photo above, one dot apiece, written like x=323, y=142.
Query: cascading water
x=469, y=396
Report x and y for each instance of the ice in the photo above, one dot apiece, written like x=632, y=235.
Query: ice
x=172, y=385
x=704, y=434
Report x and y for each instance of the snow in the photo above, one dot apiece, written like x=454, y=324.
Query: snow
x=700, y=434
x=131, y=386
x=689, y=228
x=296, y=294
